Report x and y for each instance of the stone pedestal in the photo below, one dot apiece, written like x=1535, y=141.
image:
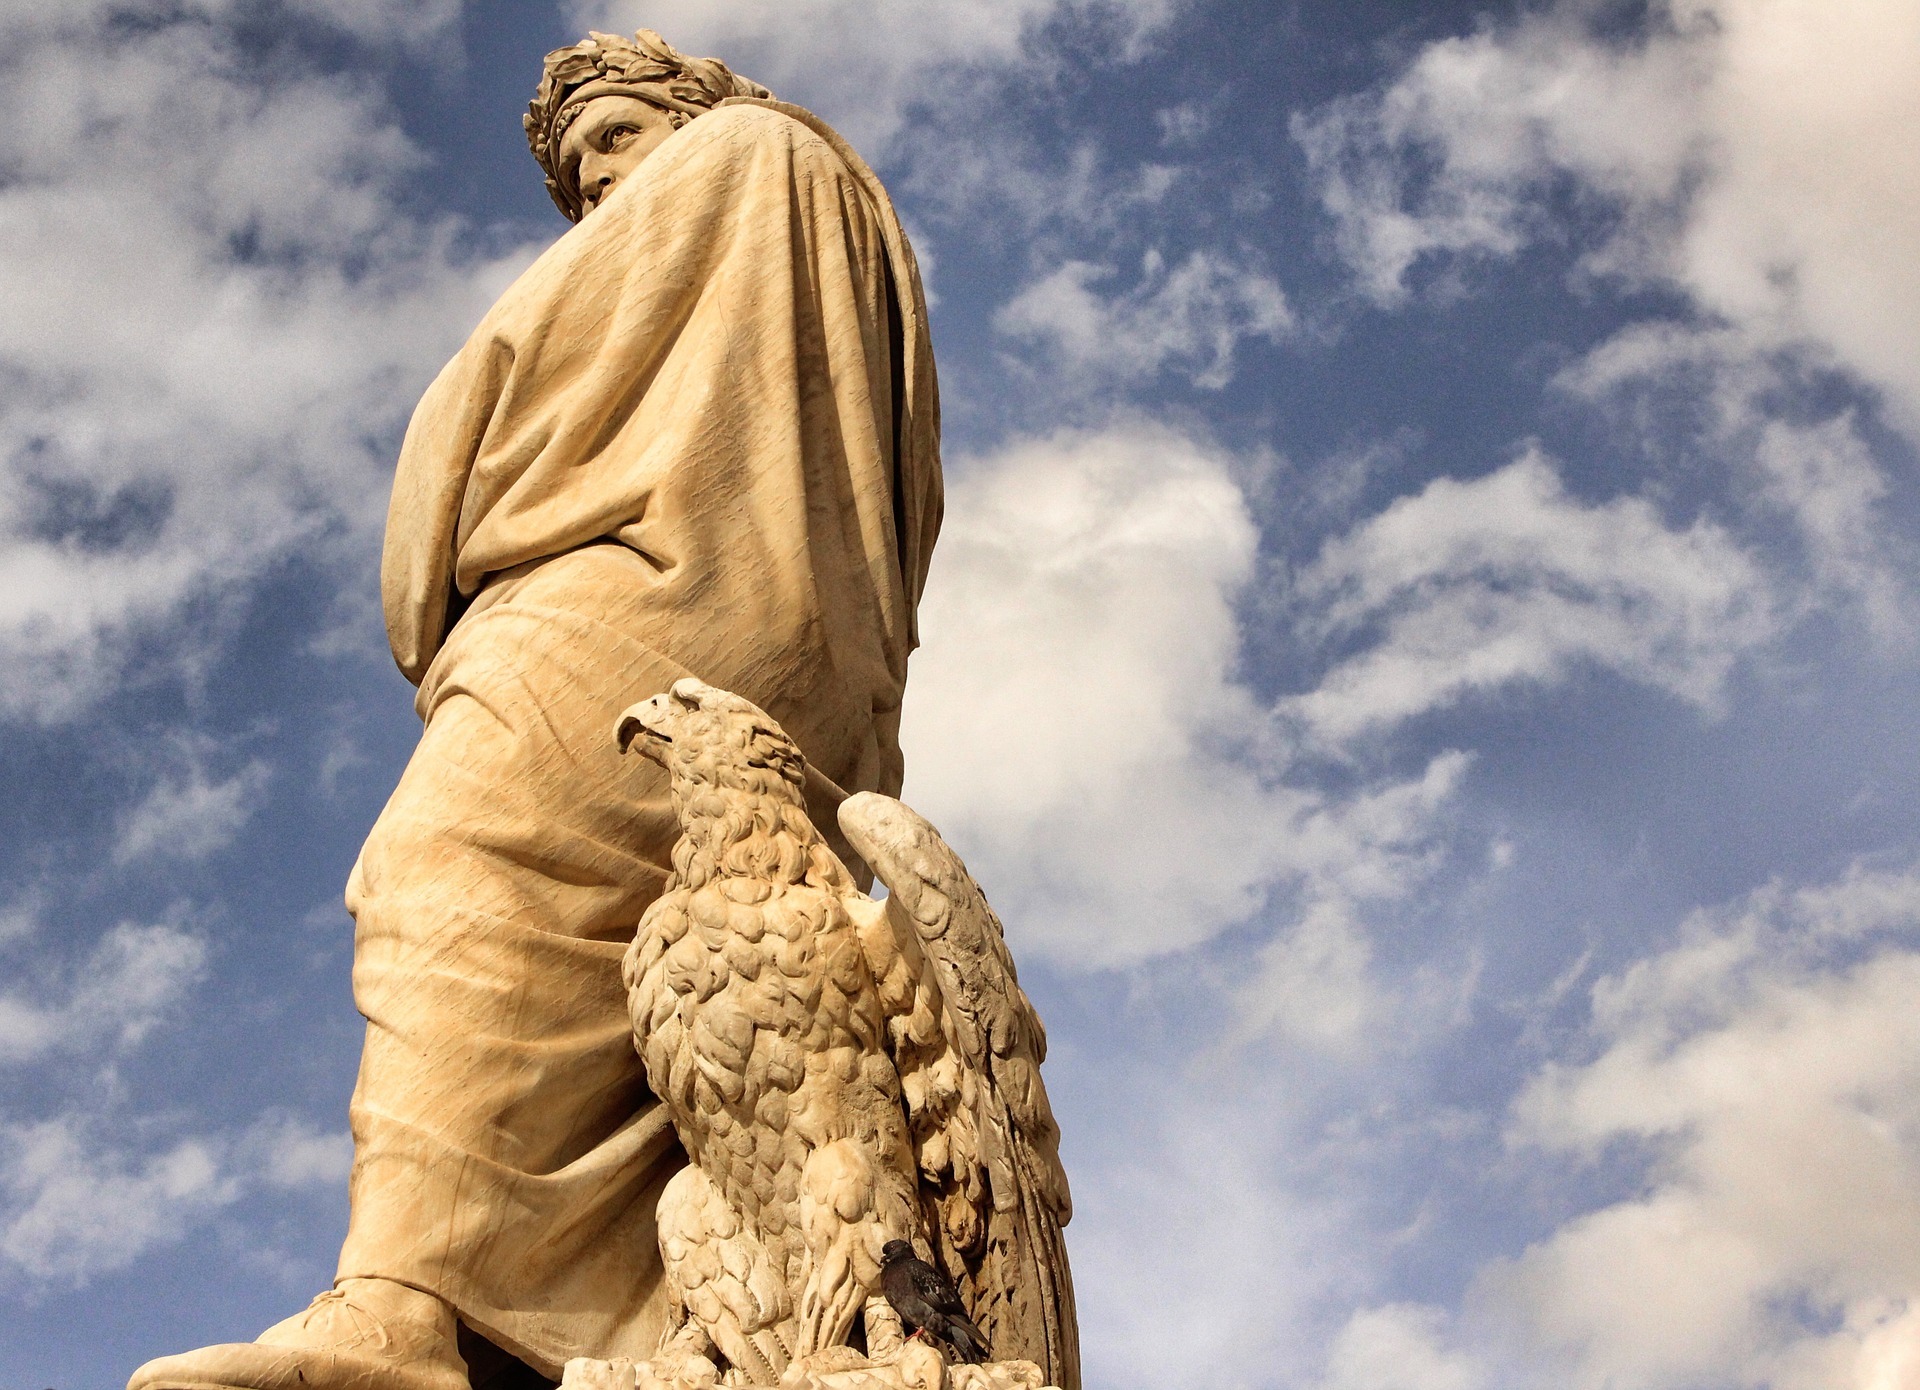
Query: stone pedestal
x=918, y=1367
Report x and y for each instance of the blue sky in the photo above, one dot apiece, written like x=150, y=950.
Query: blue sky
x=1423, y=653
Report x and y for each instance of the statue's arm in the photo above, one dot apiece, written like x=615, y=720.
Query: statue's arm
x=542, y=433
x=429, y=487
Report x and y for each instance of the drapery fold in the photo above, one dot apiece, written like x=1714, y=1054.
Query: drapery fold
x=726, y=367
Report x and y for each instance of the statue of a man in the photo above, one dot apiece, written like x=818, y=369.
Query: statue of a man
x=697, y=437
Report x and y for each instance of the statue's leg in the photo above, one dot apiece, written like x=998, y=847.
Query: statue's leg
x=508, y=1156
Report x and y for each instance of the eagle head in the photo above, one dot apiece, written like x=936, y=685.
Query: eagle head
x=704, y=735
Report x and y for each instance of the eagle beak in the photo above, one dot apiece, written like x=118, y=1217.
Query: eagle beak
x=643, y=722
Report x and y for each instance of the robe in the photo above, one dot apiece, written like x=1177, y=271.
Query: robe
x=698, y=436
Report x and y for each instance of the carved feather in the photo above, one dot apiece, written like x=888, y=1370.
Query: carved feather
x=1023, y=1292
x=841, y=1072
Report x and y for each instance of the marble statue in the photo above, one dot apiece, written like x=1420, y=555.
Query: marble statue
x=842, y=1074
x=698, y=438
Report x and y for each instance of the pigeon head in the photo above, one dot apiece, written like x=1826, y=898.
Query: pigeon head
x=895, y=1251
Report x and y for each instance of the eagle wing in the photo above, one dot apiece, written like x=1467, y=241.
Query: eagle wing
x=1003, y=1125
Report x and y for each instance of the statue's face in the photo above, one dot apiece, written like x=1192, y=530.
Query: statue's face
x=607, y=141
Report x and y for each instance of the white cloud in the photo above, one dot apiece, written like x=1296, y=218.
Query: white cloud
x=1312, y=982
x=1476, y=586
x=1184, y=124
x=1763, y=1074
x=286, y=1153
x=191, y=815
x=994, y=174
x=77, y=1200
x=1190, y=318
x=218, y=317
x=1077, y=723
x=1075, y=685
x=1748, y=155
x=1196, y=1261
x=21, y=916
x=408, y=21
x=1754, y=154
x=863, y=63
x=72, y=1210
x=1398, y=1346
x=1446, y=158
x=1079, y=726
x=1820, y=474
x=90, y=1189
x=123, y=988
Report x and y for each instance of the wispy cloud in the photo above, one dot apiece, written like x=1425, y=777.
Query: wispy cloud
x=92, y=1186
x=1478, y=586
x=1190, y=318
x=218, y=315
x=1763, y=1072
x=1191, y=1245
x=73, y=1210
x=191, y=814
x=1751, y=155
x=78, y=1199
x=1685, y=392
x=116, y=995
x=408, y=21
x=1399, y=1346
x=865, y=63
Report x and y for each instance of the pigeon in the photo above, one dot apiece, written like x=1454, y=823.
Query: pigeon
x=927, y=1301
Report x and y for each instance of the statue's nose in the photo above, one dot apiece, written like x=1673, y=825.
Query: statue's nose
x=595, y=179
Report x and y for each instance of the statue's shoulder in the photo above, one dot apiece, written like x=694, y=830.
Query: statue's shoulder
x=753, y=122
x=760, y=118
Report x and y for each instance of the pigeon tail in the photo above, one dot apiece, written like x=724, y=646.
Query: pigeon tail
x=966, y=1341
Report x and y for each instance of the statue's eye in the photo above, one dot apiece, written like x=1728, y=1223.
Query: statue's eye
x=620, y=134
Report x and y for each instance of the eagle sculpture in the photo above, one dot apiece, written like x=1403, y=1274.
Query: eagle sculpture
x=842, y=1072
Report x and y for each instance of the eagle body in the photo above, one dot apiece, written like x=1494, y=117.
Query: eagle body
x=843, y=1074
x=761, y=1028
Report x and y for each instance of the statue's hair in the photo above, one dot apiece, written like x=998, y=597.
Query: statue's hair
x=645, y=66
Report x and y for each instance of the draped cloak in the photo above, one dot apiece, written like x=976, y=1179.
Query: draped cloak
x=698, y=436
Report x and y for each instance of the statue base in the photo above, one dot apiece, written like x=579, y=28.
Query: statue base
x=918, y=1366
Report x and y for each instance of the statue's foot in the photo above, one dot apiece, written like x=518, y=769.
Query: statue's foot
x=365, y=1334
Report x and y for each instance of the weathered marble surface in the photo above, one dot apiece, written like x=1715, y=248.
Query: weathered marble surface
x=920, y=1367
x=843, y=1073
x=697, y=437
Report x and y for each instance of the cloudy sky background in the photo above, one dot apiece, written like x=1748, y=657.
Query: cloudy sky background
x=1424, y=649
